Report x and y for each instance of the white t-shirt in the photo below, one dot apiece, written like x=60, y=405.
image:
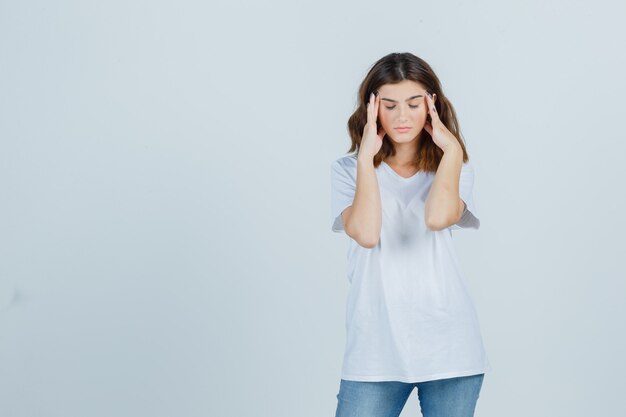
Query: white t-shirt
x=409, y=313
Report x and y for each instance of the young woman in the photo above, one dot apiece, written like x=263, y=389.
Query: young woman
x=410, y=317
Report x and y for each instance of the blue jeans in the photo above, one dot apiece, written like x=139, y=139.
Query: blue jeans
x=450, y=397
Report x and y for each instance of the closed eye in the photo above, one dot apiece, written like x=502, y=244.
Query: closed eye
x=393, y=107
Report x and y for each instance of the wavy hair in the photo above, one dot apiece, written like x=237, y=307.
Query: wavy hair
x=392, y=69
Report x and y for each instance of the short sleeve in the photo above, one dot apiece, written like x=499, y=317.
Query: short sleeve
x=342, y=190
x=469, y=219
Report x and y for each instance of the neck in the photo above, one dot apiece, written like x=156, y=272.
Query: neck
x=404, y=154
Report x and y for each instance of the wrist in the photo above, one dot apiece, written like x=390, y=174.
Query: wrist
x=364, y=159
x=453, y=148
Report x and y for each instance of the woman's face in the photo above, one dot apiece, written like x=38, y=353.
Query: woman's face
x=402, y=105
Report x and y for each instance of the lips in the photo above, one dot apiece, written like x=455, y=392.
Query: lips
x=402, y=129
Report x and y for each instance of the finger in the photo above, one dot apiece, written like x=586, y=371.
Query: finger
x=376, y=105
x=373, y=107
x=432, y=110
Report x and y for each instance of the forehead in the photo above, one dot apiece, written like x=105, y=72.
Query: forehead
x=401, y=90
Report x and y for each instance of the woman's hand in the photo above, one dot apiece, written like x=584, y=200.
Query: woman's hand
x=372, y=138
x=437, y=130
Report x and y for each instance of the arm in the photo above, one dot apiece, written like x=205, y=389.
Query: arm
x=363, y=218
x=444, y=206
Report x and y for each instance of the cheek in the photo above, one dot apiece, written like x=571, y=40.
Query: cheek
x=383, y=119
x=420, y=115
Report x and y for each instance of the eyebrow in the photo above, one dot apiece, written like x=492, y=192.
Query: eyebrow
x=408, y=99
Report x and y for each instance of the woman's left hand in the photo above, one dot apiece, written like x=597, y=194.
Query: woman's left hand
x=437, y=130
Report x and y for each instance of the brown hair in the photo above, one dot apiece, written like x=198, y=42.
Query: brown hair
x=392, y=69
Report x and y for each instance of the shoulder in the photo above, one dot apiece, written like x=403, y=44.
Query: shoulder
x=468, y=165
x=345, y=163
x=467, y=168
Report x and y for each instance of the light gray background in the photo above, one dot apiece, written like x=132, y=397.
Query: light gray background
x=165, y=219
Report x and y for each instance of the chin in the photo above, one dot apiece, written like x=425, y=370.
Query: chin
x=404, y=139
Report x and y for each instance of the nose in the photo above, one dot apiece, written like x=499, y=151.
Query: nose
x=403, y=112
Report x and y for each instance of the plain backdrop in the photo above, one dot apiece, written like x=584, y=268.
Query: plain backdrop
x=165, y=233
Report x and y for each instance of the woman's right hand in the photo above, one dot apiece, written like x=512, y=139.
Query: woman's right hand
x=372, y=138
